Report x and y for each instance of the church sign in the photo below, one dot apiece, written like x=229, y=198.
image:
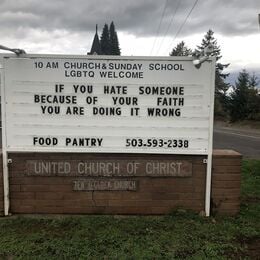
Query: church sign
x=113, y=105
x=107, y=123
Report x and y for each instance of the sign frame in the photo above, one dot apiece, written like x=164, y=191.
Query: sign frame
x=5, y=149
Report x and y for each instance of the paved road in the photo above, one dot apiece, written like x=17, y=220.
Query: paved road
x=246, y=142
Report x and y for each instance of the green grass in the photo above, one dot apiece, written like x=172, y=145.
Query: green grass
x=179, y=235
x=251, y=180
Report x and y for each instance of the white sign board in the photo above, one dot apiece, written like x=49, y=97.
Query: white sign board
x=107, y=104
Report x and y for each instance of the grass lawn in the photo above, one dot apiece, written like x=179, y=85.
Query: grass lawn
x=181, y=235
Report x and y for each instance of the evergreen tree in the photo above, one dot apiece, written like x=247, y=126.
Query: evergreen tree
x=221, y=87
x=105, y=41
x=181, y=50
x=115, y=50
x=244, y=101
x=209, y=39
x=109, y=40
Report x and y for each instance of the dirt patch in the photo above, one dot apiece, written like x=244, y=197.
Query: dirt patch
x=251, y=200
x=253, y=250
x=253, y=126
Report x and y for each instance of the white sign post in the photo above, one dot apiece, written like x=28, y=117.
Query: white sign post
x=108, y=104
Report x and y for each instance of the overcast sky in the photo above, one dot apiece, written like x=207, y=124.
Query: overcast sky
x=68, y=26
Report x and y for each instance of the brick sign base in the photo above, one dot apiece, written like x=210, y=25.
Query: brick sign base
x=120, y=183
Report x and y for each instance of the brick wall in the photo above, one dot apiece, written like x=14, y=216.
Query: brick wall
x=160, y=195
x=226, y=180
x=30, y=194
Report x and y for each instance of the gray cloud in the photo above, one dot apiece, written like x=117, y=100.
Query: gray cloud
x=137, y=17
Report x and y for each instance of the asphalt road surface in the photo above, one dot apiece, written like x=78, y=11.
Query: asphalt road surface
x=246, y=142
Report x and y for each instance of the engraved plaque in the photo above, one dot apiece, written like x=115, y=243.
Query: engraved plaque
x=110, y=168
x=104, y=184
